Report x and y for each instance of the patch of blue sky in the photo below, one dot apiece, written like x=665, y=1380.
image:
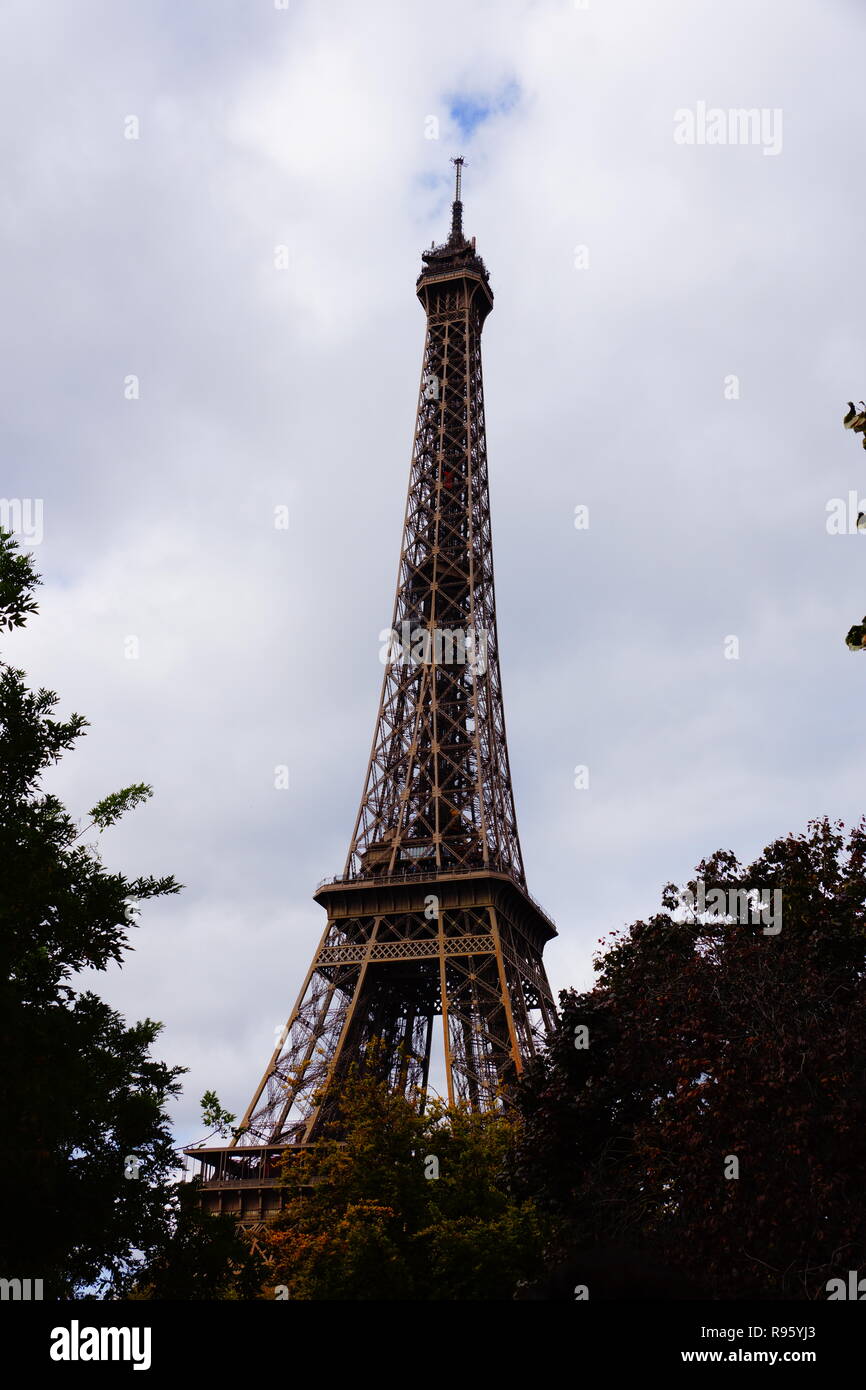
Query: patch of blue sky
x=469, y=110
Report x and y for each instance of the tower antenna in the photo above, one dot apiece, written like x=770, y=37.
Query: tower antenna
x=457, y=206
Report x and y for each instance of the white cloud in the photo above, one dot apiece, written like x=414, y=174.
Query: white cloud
x=261, y=387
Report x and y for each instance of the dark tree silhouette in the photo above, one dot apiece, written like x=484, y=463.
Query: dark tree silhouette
x=711, y=1120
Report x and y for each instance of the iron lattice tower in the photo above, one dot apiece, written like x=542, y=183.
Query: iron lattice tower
x=430, y=921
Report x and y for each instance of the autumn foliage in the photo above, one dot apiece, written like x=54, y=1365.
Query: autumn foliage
x=393, y=1205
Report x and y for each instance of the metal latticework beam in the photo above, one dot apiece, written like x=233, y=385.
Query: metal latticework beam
x=398, y=954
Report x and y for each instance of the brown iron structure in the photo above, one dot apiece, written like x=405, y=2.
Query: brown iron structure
x=430, y=923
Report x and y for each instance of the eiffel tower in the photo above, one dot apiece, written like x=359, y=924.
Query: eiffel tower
x=431, y=960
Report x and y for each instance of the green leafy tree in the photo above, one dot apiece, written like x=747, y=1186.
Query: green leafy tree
x=703, y=1105
x=214, y=1117
x=87, y=1159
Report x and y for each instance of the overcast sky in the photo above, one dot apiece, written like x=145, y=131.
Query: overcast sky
x=677, y=329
